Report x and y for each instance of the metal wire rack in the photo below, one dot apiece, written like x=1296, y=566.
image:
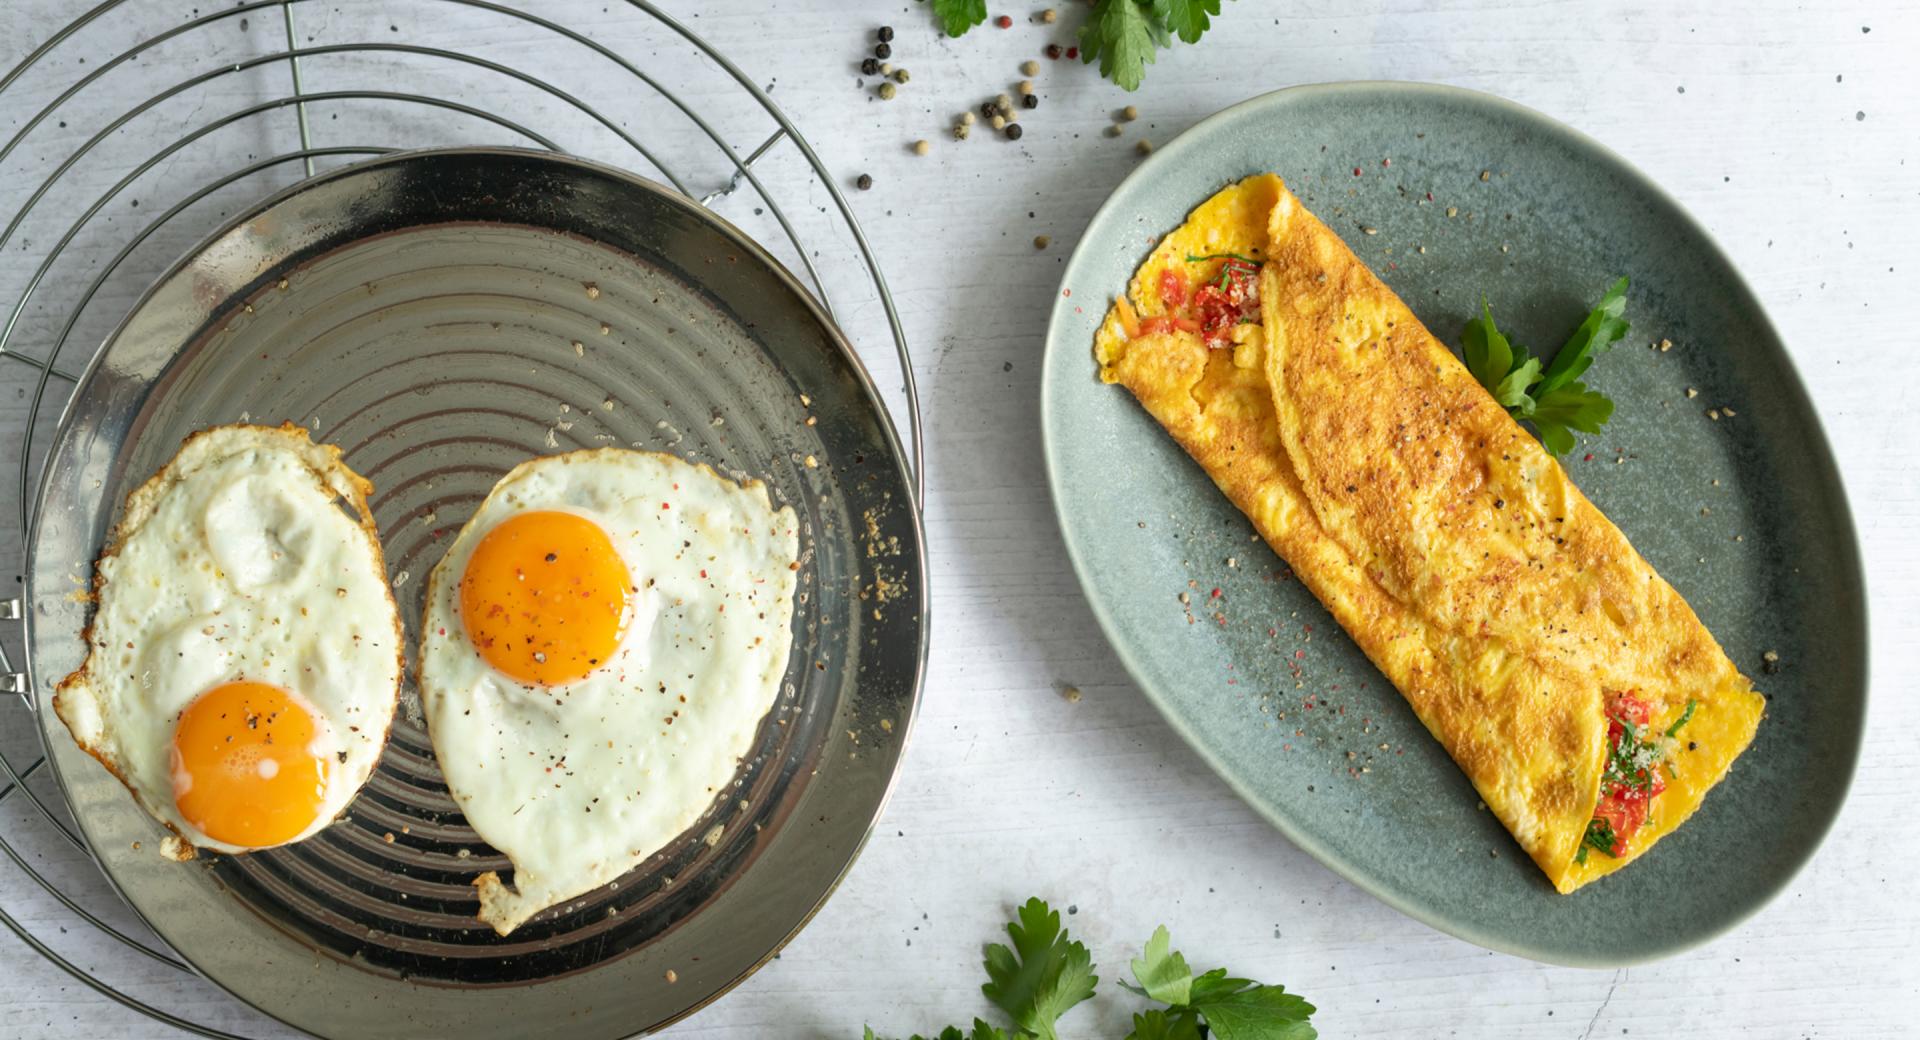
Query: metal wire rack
x=288, y=88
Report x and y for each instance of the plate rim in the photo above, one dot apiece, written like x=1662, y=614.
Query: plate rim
x=1056, y=354
x=46, y=721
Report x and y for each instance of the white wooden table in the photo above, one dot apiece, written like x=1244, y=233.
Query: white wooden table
x=1791, y=129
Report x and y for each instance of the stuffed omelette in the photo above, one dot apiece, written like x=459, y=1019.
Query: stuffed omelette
x=1576, y=689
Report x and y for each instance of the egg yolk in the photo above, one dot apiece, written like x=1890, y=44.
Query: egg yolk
x=243, y=766
x=544, y=597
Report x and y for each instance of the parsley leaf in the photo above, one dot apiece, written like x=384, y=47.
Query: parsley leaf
x=1216, y=983
x=957, y=16
x=1123, y=35
x=1159, y=1025
x=1163, y=972
x=1548, y=396
x=1045, y=974
x=1255, y=1012
x=981, y=1031
x=1488, y=354
x=1602, y=328
x=1512, y=391
x=1186, y=19
x=1573, y=406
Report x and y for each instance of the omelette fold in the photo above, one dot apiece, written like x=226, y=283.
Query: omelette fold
x=1576, y=689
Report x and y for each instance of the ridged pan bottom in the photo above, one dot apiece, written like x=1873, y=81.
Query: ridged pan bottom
x=437, y=359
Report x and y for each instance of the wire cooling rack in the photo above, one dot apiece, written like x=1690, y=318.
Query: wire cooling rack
x=105, y=180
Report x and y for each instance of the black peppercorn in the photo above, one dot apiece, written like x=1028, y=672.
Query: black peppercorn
x=1029, y=101
x=988, y=109
x=1053, y=50
x=883, y=52
x=864, y=181
x=886, y=33
x=1013, y=131
x=870, y=67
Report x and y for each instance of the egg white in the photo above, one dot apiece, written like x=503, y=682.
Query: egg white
x=237, y=561
x=579, y=783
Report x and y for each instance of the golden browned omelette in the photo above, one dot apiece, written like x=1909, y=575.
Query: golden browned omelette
x=1576, y=689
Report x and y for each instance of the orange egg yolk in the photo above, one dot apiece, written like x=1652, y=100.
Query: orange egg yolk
x=243, y=766
x=544, y=597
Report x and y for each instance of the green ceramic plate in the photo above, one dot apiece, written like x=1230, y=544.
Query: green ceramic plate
x=1745, y=514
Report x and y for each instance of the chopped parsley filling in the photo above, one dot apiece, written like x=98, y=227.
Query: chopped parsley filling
x=1635, y=771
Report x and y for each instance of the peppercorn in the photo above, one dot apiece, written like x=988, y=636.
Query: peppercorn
x=864, y=181
x=987, y=108
x=1041, y=241
x=901, y=76
x=1029, y=101
x=885, y=34
x=870, y=67
x=961, y=130
x=1145, y=146
x=1129, y=113
x=1013, y=131
x=1053, y=50
x=997, y=121
x=887, y=91
x=1029, y=68
x=1049, y=15
x=883, y=52
x=1004, y=22
x=967, y=118
x=1003, y=102
x=1025, y=86
x=921, y=147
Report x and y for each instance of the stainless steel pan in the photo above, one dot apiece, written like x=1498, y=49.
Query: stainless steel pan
x=443, y=316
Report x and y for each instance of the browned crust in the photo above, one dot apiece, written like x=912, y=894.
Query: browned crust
x=298, y=439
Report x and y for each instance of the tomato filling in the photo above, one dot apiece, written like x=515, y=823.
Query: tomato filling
x=1635, y=774
x=1229, y=297
x=1173, y=290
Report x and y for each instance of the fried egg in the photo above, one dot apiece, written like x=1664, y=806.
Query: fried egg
x=600, y=644
x=244, y=657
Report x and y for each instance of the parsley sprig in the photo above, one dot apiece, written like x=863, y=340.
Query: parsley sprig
x=1549, y=396
x=1124, y=36
x=1046, y=973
